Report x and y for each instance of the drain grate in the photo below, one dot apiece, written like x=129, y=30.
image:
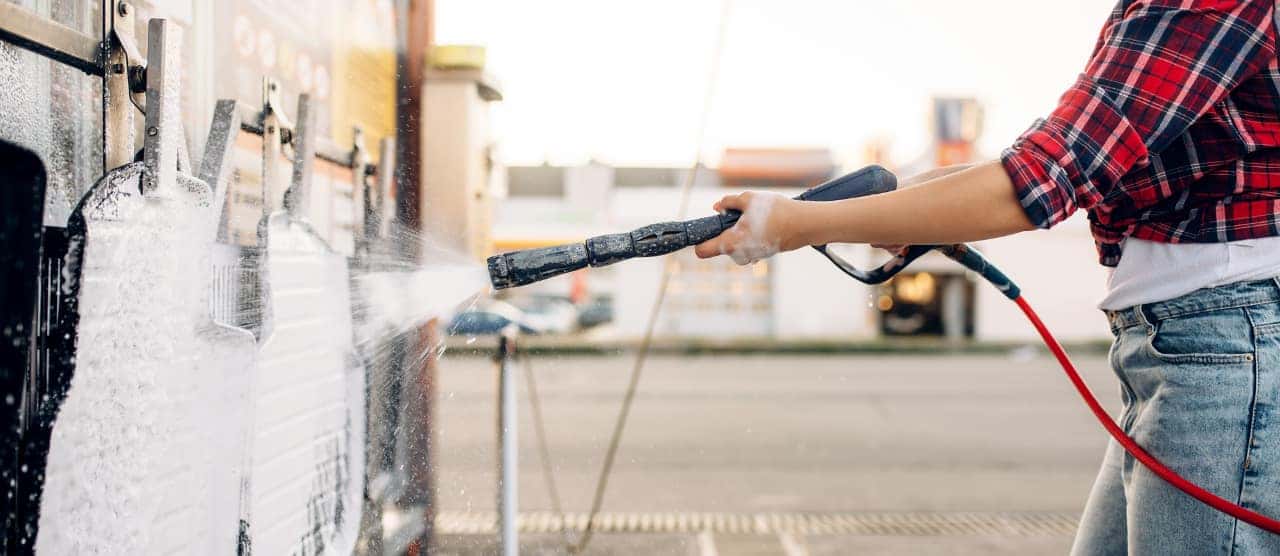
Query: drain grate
x=806, y=523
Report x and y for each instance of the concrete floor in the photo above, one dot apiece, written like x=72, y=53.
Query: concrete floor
x=788, y=433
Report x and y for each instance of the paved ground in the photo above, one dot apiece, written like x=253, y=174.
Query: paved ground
x=898, y=437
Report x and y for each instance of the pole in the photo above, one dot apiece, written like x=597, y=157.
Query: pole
x=508, y=540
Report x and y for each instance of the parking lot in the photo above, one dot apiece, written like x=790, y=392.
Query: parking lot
x=785, y=454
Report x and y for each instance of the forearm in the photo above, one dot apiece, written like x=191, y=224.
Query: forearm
x=974, y=204
x=933, y=174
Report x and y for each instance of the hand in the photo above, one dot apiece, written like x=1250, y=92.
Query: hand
x=767, y=227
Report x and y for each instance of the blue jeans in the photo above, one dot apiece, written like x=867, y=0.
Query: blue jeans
x=1200, y=381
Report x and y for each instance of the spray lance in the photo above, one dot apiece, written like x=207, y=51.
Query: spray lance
x=519, y=268
x=525, y=267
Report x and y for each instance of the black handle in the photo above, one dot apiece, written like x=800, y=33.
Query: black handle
x=882, y=273
x=871, y=180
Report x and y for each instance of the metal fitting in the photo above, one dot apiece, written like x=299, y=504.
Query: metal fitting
x=138, y=79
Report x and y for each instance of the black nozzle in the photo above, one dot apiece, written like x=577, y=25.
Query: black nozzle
x=520, y=268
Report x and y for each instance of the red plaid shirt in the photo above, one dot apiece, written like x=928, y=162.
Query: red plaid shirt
x=1171, y=134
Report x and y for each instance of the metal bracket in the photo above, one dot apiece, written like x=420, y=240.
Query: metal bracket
x=163, y=130
x=297, y=197
x=360, y=171
x=215, y=168
x=124, y=75
x=116, y=58
x=271, y=150
x=359, y=154
x=26, y=29
x=251, y=122
x=118, y=16
x=385, y=184
x=271, y=104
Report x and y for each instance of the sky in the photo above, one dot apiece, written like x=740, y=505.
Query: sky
x=624, y=82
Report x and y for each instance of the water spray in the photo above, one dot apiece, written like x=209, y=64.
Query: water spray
x=525, y=267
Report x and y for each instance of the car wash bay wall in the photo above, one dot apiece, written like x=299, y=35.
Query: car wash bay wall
x=339, y=52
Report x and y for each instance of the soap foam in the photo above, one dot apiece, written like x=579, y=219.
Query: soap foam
x=748, y=237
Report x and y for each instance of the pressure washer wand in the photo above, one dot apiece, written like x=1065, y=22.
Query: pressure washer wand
x=520, y=268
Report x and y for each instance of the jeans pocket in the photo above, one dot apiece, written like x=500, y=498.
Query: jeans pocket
x=1220, y=337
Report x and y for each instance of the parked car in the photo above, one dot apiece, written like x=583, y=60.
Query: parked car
x=552, y=314
x=490, y=318
x=596, y=312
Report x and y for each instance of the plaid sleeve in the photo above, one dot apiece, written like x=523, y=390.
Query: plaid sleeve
x=1159, y=66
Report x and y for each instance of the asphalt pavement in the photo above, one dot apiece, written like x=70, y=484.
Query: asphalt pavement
x=784, y=454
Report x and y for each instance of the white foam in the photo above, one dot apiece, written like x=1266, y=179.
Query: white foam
x=749, y=237
x=115, y=433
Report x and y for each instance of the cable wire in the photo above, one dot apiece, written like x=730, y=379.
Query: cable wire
x=544, y=453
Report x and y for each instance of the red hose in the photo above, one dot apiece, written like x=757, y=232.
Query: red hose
x=1251, y=517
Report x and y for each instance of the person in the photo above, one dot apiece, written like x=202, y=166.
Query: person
x=1170, y=140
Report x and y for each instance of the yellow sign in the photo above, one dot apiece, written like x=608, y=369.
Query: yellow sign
x=364, y=62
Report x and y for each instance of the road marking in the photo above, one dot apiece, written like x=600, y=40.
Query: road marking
x=791, y=546
x=707, y=544
x=798, y=524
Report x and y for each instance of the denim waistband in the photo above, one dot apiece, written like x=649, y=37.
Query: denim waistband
x=1239, y=294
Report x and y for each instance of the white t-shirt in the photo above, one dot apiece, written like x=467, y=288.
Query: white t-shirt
x=1151, y=271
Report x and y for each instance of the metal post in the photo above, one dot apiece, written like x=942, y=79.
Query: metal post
x=954, y=307
x=508, y=449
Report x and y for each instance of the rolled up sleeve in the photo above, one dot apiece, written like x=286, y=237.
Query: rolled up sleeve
x=1157, y=69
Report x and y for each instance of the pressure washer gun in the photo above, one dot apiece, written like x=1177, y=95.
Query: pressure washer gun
x=519, y=268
